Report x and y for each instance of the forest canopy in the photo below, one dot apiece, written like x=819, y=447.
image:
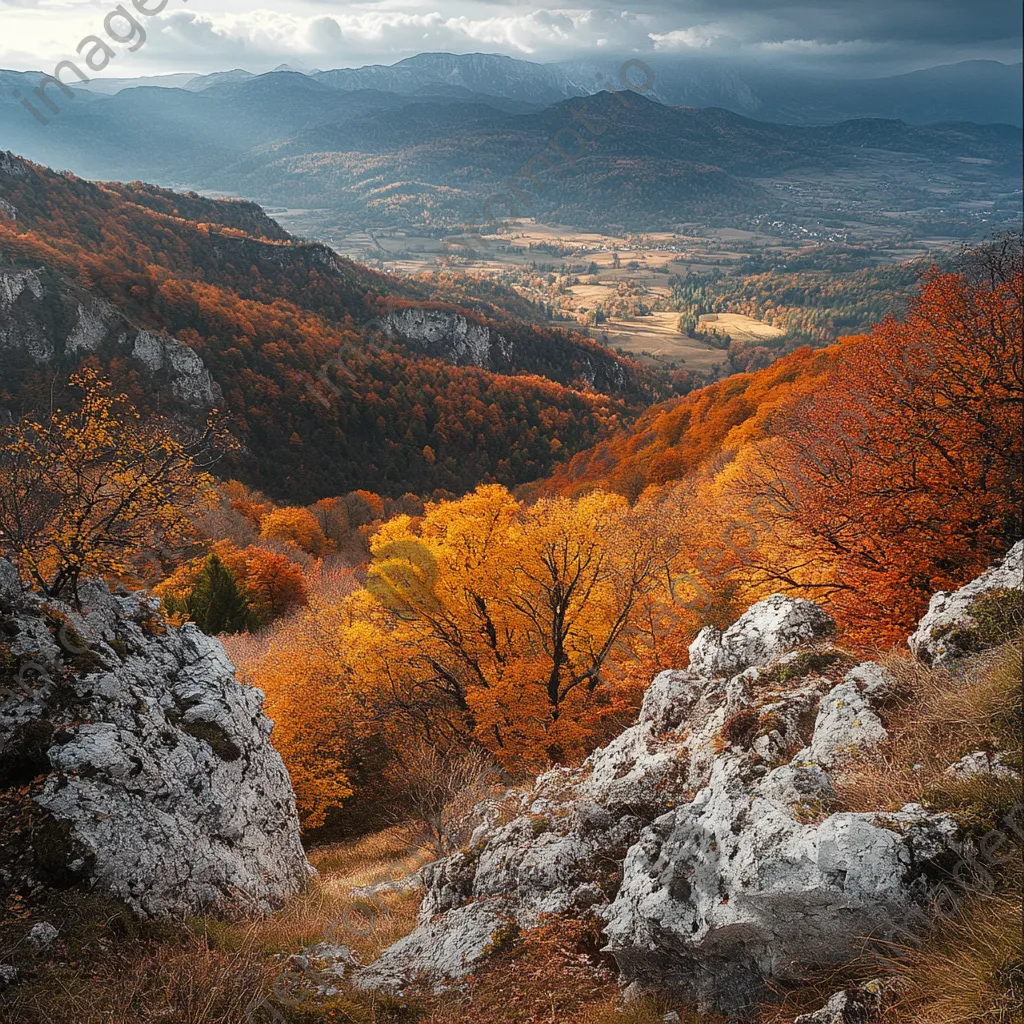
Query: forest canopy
x=865, y=476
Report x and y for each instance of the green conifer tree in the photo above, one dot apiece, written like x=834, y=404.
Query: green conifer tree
x=216, y=605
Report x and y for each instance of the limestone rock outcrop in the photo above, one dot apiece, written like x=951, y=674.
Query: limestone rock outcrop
x=48, y=320
x=947, y=630
x=146, y=767
x=466, y=341
x=705, y=837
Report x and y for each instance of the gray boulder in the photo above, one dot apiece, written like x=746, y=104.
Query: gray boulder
x=857, y=1005
x=945, y=633
x=573, y=844
x=744, y=885
x=847, y=721
x=764, y=632
x=982, y=764
x=441, y=949
x=42, y=935
x=150, y=766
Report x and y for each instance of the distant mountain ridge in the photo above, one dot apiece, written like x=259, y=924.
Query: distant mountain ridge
x=372, y=158
x=489, y=74
x=981, y=91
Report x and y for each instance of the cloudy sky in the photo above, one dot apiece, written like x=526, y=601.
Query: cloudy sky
x=864, y=36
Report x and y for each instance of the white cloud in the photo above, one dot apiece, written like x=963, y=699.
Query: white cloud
x=685, y=38
x=206, y=35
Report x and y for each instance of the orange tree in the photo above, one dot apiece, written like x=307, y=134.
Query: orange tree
x=92, y=490
x=294, y=526
x=318, y=717
x=904, y=469
x=271, y=582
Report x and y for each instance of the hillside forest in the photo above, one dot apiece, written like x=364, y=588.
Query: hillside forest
x=525, y=622
x=319, y=401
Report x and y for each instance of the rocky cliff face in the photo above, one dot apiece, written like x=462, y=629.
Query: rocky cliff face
x=462, y=341
x=705, y=837
x=449, y=336
x=132, y=761
x=49, y=321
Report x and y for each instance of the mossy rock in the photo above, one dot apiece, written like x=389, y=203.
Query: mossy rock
x=213, y=735
x=806, y=663
x=998, y=618
x=539, y=824
x=505, y=937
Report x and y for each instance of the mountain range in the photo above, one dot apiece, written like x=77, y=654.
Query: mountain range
x=447, y=156
x=979, y=91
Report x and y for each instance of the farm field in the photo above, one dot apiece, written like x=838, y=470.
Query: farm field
x=739, y=327
x=657, y=338
x=618, y=287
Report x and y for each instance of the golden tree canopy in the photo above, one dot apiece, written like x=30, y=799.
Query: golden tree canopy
x=94, y=490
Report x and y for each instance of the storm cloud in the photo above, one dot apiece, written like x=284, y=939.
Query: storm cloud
x=873, y=36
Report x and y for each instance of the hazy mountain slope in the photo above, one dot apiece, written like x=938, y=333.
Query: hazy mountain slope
x=981, y=91
x=604, y=161
x=323, y=383
x=192, y=136
x=370, y=158
x=488, y=73
x=985, y=92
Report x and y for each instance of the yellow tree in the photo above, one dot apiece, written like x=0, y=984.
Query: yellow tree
x=507, y=618
x=294, y=526
x=91, y=490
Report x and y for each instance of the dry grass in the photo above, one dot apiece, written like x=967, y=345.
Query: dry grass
x=971, y=971
x=934, y=720
x=327, y=910
x=647, y=1010
x=107, y=969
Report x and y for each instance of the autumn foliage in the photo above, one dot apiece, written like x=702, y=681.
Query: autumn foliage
x=523, y=626
x=281, y=326
x=865, y=476
x=271, y=583
x=93, y=489
x=902, y=473
x=294, y=526
x=485, y=624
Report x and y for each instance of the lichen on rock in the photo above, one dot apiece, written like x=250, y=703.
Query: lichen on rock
x=145, y=755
